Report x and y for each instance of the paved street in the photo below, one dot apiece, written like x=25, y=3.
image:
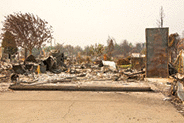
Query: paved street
x=83, y=107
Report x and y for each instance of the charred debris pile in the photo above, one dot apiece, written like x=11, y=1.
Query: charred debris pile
x=59, y=69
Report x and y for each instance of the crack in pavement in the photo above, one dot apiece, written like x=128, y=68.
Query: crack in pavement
x=69, y=108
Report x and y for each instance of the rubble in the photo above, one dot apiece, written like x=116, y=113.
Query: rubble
x=5, y=71
x=30, y=58
x=55, y=63
x=76, y=74
x=130, y=74
x=177, y=87
x=51, y=65
x=53, y=69
x=110, y=64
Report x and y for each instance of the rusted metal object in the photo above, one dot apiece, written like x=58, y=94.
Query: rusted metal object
x=157, y=52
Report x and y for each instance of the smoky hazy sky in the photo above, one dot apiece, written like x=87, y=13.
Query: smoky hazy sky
x=86, y=22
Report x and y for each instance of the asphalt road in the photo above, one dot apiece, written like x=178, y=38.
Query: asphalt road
x=86, y=107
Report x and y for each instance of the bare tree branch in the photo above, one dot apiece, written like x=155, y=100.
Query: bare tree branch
x=29, y=31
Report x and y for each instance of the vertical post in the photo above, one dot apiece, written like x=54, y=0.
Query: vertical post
x=25, y=53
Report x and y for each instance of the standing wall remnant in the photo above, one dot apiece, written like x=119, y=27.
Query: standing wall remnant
x=157, y=52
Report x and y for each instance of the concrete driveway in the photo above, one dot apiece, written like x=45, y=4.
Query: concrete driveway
x=86, y=107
